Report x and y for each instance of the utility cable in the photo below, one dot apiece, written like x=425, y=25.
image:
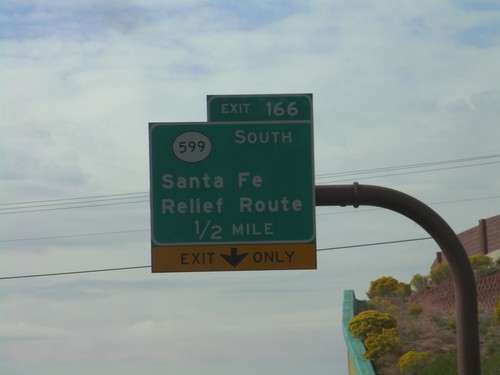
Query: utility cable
x=68, y=203
x=413, y=172
x=340, y=212
x=76, y=235
x=142, y=197
x=149, y=266
x=72, y=272
x=76, y=198
x=429, y=204
x=407, y=166
x=71, y=207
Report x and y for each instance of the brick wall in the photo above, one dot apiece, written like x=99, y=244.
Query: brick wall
x=483, y=239
x=493, y=225
x=442, y=298
x=471, y=241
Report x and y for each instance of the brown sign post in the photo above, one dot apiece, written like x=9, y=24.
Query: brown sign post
x=463, y=277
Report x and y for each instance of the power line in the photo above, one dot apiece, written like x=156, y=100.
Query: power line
x=149, y=266
x=68, y=203
x=407, y=166
x=70, y=199
x=414, y=172
x=147, y=230
x=430, y=204
x=76, y=235
x=142, y=197
x=72, y=207
x=73, y=272
x=375, y=244
x=19, y=210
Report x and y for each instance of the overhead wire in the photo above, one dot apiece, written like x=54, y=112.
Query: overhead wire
x=149, y=266
x=76, y=235
x=73, y=203
x=74, y=198
x=20, y=211
x=143, y=197
x=429, y=204
x=129, y=198
x=413, y=172
x=405, y=166
x=67, y=203
x=340, y=212
x=73, y=272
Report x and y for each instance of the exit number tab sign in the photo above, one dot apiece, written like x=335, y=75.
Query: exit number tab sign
x=277, y=107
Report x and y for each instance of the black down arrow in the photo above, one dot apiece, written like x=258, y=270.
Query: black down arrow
x=234, y=259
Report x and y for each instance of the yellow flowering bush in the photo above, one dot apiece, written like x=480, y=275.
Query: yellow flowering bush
x=370, y=321
x=413, y=362
x=415, y=309
x=440, y=274
x=382, y=343
x=388, y=286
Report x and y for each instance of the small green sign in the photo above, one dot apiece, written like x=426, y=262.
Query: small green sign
x=286, y=107
x=232, y=183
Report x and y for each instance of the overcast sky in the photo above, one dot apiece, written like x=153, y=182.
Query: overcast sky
x=394, y=85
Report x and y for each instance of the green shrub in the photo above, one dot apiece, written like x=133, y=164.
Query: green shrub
x=440, y=274
x=452, y=323
x=415, y=309
x=413, y=362
x=482, y=265
x=491, y=362
x=370, y=321
x=443, y=362
x=388, y=286
x=496, y=313
x=384, y=305
x=447, y=339
x=439, y=319
x=382, y=343
x=414, y=333
x=490, y=365
x=419, y=282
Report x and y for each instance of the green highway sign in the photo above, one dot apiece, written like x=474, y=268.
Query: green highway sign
x=232, y=195
x=231, y=183
x=237, y=192
x=276, y=107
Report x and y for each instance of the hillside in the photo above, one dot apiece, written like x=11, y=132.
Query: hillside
x=434, y=333
x=426, y=323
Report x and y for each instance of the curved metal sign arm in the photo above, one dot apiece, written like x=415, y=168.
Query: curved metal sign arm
x=463, y=277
